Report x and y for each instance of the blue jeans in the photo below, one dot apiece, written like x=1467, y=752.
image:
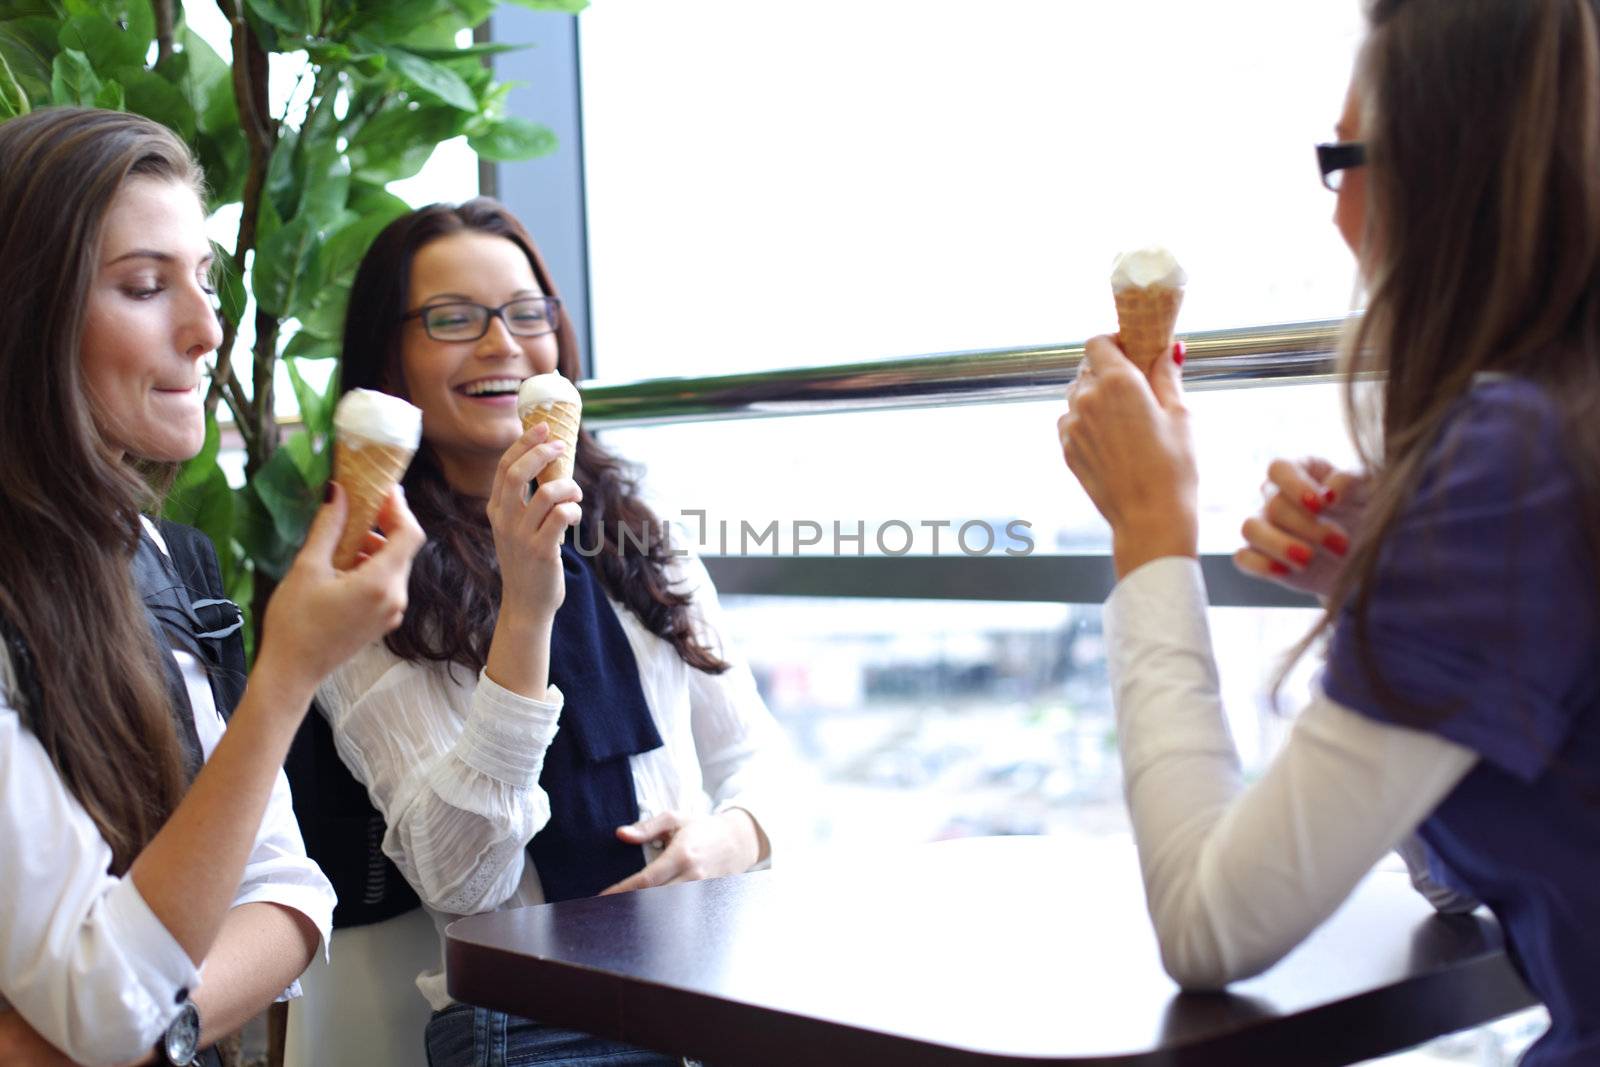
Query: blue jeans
x=464, y=1036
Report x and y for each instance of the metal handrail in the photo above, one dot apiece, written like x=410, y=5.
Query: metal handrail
x=1257, y=355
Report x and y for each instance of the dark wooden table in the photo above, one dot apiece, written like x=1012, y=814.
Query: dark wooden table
x=980, y=951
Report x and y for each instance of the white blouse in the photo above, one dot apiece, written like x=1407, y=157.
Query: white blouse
x=452, y=760
x=1236, y=876
x=82, y=956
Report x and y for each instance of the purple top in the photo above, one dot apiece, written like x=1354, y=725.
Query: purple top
x=1484, y=625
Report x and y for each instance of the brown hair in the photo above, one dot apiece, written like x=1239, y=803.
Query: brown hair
x=69, y=505
x=1482, y=125
x=455, y=581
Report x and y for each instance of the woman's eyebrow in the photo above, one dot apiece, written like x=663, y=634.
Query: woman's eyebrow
x=162, y=257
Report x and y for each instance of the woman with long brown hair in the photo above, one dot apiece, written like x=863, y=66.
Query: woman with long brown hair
x=1461, y=696
x=520, y=753
x=139, y=840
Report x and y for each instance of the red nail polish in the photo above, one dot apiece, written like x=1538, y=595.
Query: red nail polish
x=1279, y=569
x=1178, y=352
x=1329, y=496
x=1300, y=554
x=1312, y=502
x=1337, y=543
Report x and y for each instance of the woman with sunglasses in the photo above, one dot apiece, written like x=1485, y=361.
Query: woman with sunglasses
x=1461, y=695
x=558, y=715
x=157, y=893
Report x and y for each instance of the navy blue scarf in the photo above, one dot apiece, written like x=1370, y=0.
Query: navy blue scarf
x=604, y=720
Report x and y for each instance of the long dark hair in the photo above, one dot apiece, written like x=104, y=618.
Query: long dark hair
x=1482, y=124
x=69, y=505
x=455, y=581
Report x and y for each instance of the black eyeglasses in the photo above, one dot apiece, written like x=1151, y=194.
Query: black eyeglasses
x=461, y=320
x=1336, y=158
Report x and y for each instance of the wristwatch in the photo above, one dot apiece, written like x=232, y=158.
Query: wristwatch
x=182, y=1039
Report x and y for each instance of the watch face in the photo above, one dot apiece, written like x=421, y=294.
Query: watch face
x=183, y=1036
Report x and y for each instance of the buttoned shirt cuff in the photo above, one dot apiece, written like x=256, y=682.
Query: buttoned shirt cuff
x=161, y=972
x=507, y=733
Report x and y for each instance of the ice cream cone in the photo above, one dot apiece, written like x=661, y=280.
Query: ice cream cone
x=563, y=421
x=374, y=438
x=551, y=399
x=1146, y=316
x=1147, y=285
x=367, y=470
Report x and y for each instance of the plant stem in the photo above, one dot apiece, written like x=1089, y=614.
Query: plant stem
x=165, y=24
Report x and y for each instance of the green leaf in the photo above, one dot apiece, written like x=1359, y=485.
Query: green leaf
x=287, y=496
x=108, y=44
x=283, y=177
x=21, y=8
x=225, y=158
x=13, y=100
x=489, y=48
x=283, y=265
x=398, y=141
x=509, y=140
x=205, y=81
x=474, y=12
x=342, y=253
x=73, y=80
x=330, y=53
x=310, y=401
x=308, y=345
x=434, y=80
x=281, y=14
x=321, y=170
x=151, y=95
x=391, y=19
x=256, y=526
x=28, y=45
x=111, y=97
x=571, y=7
x=230, y=287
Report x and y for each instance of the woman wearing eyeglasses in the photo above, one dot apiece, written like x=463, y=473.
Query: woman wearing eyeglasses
x=558, y=715
x=1461, y=696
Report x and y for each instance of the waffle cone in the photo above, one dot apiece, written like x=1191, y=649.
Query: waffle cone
x=1146, y=317
x=367, y=470
x=563, y=421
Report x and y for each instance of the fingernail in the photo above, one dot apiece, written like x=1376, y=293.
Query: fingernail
x=327, y=493
x=1337, y=543
x=1279, y=569
x=1300, y=554
x=1312, y=502
x=558, y=446
x=1329, y=496
x=1178, y=352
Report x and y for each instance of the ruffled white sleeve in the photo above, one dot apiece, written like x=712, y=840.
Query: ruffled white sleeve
x=1236, y=876
x=452, y=762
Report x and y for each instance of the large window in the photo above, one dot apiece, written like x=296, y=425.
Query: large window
x=775, y=185
x=790, y=184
